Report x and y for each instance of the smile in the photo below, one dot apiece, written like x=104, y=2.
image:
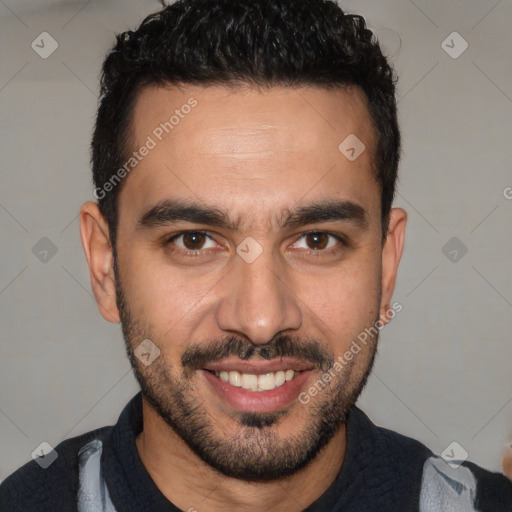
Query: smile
x=261, y=392
x=251, y=382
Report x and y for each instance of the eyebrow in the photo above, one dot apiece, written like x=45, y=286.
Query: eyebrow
x=168, y=212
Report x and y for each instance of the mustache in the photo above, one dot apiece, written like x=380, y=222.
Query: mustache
x=197, y=356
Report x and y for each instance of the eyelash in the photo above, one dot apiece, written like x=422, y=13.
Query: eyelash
x=312, y=253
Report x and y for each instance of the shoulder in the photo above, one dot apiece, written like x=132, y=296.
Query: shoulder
x=443, y=485
x=393, y=448
x=34, y=487
x=463, y=485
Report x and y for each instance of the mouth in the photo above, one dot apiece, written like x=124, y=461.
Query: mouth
x=258, y=383
x=250, y=387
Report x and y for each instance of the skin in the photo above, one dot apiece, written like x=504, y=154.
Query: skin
x=507, y=462
x=255, y=154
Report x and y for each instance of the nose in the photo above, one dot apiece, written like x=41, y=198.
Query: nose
x=257, y=302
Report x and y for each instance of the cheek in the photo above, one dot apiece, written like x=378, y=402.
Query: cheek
x=167, y=301
x=343, y=304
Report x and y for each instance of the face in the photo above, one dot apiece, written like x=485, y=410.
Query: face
x=249, y=251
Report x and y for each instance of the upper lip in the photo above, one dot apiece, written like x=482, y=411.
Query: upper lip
x=259, y=367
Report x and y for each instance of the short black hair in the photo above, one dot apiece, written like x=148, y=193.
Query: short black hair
x=266, y=43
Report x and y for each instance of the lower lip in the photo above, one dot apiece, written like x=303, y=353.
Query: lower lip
x=257, y=401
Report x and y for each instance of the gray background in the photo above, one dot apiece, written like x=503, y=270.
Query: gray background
x=443, y=371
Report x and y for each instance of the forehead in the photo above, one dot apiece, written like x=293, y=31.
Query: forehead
x=247, y=149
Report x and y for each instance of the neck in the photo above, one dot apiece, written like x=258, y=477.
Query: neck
x=192, y=485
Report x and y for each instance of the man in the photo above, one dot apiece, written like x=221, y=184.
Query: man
x=244, y=159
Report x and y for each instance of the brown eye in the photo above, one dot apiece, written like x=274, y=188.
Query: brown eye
x=317, y=241
x=321, y=243
x=194, y=240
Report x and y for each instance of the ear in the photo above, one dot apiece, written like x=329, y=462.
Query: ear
x=507, y=462
x=391, y=255
x=98, y=251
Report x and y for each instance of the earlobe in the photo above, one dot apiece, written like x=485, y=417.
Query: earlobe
x=98, y=252
x=391, y=256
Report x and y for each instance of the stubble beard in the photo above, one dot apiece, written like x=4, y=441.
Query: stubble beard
x=256, y=452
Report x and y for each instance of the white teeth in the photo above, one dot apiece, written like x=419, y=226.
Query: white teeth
x=235, y=379
x=281, y=378
x=249, y=381
x=267, y=381
x=264, y=382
